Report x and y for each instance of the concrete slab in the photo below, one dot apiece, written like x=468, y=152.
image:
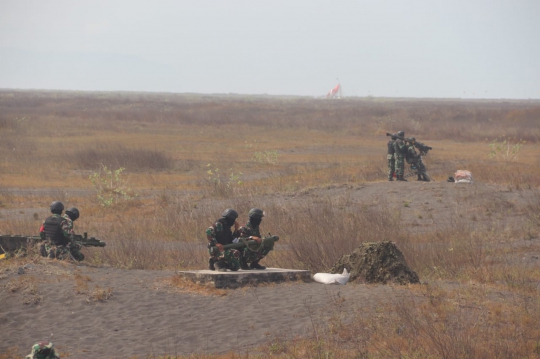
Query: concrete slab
x=242, y=278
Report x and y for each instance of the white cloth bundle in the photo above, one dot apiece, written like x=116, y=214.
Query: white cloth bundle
x=329, y=278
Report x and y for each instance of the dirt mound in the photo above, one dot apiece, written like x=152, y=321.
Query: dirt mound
x=376, y=262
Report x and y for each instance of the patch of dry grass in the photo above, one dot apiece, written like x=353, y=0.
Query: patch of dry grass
x=27, y=286
x=169, y=142
x=179, y=283
x=99, y=294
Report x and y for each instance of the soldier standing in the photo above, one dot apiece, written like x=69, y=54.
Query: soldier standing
x=57, y=235
x=220, y=234
x=416, y=159
x=251, y=231
x=391, y=158
x=400, y=148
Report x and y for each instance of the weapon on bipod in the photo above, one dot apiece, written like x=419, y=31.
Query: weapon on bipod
x=12, y=243
x=424, y=149
x=250, y=244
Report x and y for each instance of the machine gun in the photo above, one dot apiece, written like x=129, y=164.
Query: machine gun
x=12, y=243
x=250, y=244
x=88, y=242
x=424, y=149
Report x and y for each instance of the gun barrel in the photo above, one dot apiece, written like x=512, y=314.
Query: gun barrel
x=89, y=242
x=10, y=243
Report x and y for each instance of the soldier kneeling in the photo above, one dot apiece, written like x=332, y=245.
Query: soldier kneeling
x=57, y=234
x=220, y=234
x=251, y=231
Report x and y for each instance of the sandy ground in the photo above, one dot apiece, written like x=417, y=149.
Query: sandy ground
x=141, y=314
x=145, y=315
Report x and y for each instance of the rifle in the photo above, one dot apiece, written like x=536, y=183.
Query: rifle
x=424, y=149
x=11, y=243
x=249, y=244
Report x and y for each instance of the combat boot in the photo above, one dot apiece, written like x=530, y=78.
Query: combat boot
x=401, y=178
x=390, y=178
x=244, y=265
x=420, y=177
x=211, y=263
x=220, y=266
x=256, y=265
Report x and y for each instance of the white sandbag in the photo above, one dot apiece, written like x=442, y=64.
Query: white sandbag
x=329, y=278
x=463, y=176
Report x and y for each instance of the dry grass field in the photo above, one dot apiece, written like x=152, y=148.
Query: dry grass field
x=149, y=172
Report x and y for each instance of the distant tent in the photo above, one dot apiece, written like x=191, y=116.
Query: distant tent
x=333, y=92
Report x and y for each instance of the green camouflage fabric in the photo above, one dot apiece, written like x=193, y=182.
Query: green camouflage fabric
x=414, y=158
x=391, y=166
x=43, y=350
x=231, y=257
x=72, y=250
x=249, y=255
x=400, y=148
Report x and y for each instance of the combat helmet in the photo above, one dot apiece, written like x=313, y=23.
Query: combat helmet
x=73, y=213
x=401, y=134
x=42, y=350
x=255, y=213
x=56, y=207
x=230, y=213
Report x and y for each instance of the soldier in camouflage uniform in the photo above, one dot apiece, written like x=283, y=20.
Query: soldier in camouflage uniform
x=220, y=234
x=390, y=157
x=43, y=350
x=57, y=234
x=416, y=159
x=251, y=231
x=400, y=148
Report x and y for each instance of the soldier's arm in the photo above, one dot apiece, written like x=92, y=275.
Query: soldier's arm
x=211, y=233
x=42, y=231
x=244, y=232
x=67, y=229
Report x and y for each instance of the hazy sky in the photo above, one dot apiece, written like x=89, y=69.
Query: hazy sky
x=401, y=48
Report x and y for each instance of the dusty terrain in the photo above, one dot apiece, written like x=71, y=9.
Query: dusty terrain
x=93, y=312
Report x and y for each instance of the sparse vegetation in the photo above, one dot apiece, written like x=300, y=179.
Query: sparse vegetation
x=111, y=187
x=479, y=298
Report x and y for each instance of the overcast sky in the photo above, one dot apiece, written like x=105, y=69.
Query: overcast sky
x=401, y=48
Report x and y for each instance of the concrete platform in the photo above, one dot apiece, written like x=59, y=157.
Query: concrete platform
x=242, y=278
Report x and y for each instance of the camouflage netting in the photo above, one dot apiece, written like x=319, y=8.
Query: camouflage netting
x=376, y=262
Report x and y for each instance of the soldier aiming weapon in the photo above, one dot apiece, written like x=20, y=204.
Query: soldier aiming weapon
x=413, y=158
x=251, y=245
x=424, y=149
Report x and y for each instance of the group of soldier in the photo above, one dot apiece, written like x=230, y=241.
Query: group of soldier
x=221, y=234
x=57, y=233
x=401, y=149
x=57, y=237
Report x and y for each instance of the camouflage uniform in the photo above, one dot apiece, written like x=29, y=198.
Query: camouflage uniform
x=400, y=148
x=391, y=160
x=43, y=350
x=65, y=248
x=249, y=255
x=221, y=233
x=414, y=158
